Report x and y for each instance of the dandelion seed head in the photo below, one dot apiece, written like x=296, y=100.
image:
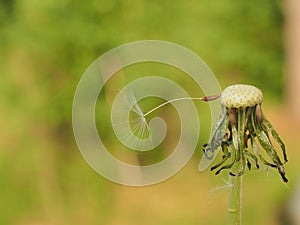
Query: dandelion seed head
x=241, y=96
x=246, y=124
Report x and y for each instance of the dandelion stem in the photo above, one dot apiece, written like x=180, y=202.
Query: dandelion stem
x=235, y=200
x=235, y=191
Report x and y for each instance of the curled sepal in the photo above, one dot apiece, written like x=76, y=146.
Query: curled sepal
x=266, y=144
x=226, y=155
x=211, y=149
x=275, y=135
x=217, y=137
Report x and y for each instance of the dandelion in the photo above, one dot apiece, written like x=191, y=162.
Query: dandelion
x=241, y=125
x=243, y=134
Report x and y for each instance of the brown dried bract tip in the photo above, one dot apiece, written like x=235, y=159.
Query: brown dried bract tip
x=210, y=98
x=241, y=96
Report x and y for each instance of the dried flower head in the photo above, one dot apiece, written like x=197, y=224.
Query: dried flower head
x=243, y=125
x=241, y=96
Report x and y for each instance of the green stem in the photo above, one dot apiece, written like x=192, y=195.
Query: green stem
x=235, y=191
x=235, y=198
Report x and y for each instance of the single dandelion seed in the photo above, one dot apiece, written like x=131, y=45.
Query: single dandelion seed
x=129, y=122
x=132, y=127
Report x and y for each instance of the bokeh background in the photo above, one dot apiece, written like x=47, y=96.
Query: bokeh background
x=45, y=47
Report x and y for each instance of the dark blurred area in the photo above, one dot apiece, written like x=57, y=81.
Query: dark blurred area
x=45, y=47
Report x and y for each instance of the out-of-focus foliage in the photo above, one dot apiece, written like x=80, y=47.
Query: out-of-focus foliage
x=59, y=39
x=45, y=46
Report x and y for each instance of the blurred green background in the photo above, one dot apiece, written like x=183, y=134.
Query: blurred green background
x=45, y=47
